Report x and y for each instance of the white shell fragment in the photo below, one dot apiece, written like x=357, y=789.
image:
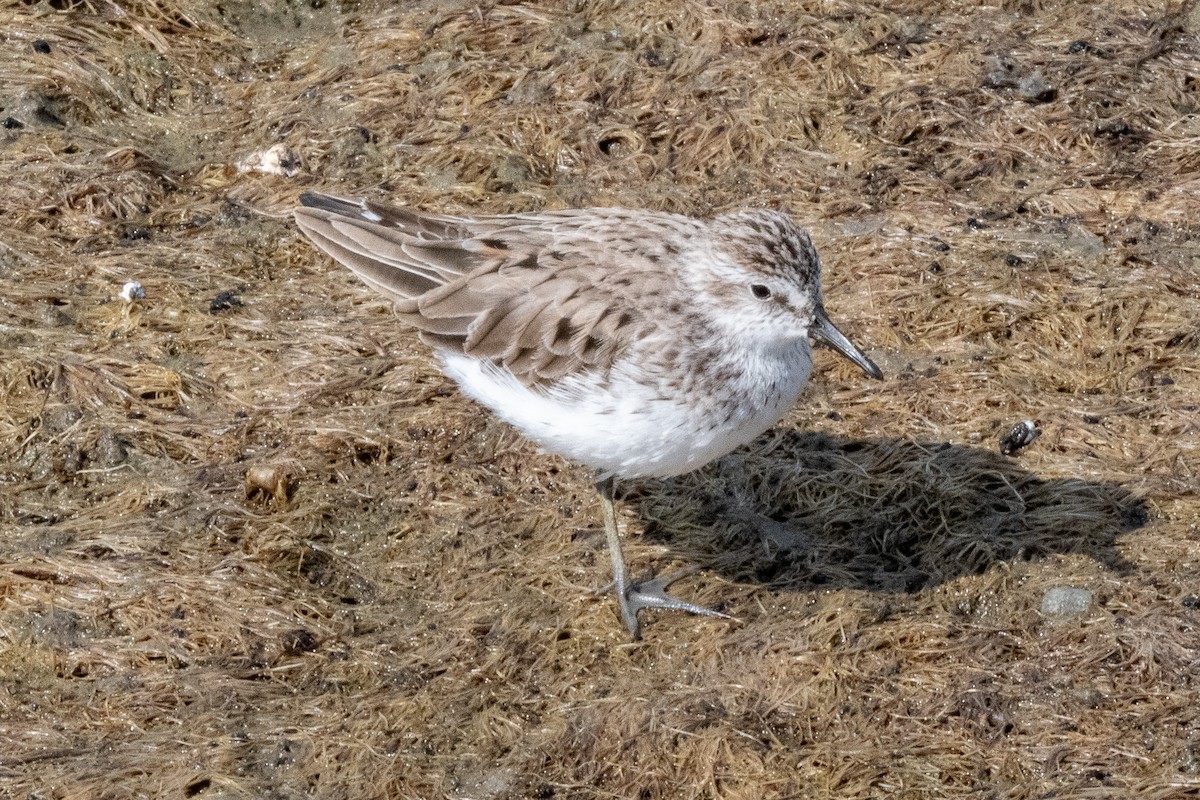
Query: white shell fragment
x=277, y=159
x=1018, y=436
x=132, y=291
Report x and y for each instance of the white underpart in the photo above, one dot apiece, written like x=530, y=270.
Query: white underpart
x=624, y=429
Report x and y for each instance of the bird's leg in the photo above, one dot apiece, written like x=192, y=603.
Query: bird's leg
x=633, y=597
x=628, y=611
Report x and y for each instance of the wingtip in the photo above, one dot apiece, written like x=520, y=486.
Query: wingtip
x=334, y=205
x=311, y=199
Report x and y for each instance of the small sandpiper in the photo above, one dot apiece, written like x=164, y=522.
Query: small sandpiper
x=636, y=342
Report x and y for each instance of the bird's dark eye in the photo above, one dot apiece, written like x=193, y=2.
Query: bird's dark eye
x=760, y=291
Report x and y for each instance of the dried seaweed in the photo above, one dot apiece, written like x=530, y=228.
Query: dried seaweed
x=266, y=549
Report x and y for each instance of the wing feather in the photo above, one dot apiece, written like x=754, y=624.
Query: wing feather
x=533, y=293
x=497, y=334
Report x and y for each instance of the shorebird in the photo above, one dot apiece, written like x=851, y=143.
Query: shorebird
x=638, y=343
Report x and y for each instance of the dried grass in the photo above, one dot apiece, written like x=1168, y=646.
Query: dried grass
x=252, y=544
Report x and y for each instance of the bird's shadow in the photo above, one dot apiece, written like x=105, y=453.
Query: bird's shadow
x=805, y=510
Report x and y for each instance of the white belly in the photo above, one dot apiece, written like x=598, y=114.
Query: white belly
x=627, y=430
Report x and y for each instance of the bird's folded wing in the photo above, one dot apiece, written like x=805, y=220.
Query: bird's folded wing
x=525, y=297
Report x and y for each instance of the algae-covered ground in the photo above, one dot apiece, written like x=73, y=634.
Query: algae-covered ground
x=254, y=545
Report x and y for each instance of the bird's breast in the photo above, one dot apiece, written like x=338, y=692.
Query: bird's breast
x=642, y=418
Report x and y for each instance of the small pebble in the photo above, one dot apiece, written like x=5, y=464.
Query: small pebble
x=1063, y=600
x=1035, y=88
x=267, y=479
x=1018, y=436
x=224, y=301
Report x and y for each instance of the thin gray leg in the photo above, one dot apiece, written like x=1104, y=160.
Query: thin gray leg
x=634, y=597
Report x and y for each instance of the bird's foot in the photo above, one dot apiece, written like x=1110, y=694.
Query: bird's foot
x=652, y=594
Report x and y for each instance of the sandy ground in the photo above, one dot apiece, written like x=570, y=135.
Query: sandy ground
x=254, y=545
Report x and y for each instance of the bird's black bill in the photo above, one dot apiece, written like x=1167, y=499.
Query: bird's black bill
x=827, y=332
